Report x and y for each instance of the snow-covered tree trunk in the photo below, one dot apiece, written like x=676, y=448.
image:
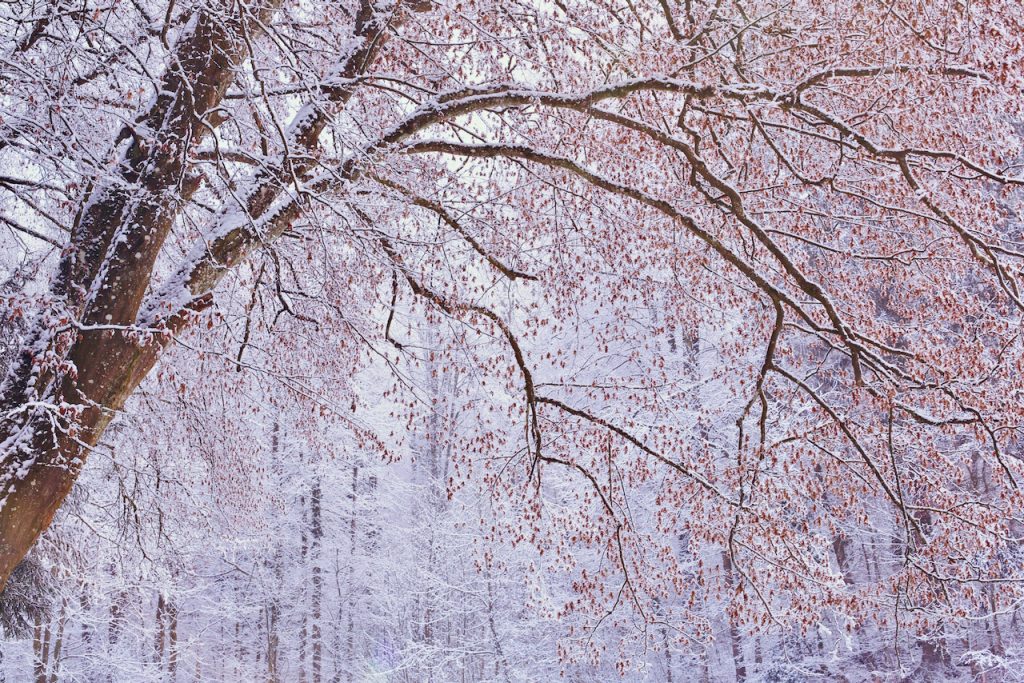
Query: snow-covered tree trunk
x=91, y=351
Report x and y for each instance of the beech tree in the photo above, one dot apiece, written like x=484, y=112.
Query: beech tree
x=737, y=281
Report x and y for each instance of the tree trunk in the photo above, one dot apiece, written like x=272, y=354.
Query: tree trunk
x=160, y=636
x=668, y=655
x=273, y=644
x=116, y=625
x=172, y=658
x=304, y=631
x=272, y=610
x=735, y=640
x=350, y=626
x=57, y=414
x=40, y=644
x=58, y=643
x=316, y=533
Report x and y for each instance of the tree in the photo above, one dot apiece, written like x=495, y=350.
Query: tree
x=823, y=198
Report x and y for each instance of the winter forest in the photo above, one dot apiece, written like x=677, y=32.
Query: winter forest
x=511, y=341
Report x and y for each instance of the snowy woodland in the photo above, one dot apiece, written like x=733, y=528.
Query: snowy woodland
x=511, y=340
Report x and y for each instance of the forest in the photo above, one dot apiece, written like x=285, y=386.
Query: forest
x=511, y=341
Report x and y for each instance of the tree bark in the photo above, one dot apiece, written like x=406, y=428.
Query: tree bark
x=316, y=532
x=58, y=643
x=160, y=636
x=40, y=643
x=57, y=414
x=350, y=625
x=272, y=610
x=172, y=657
